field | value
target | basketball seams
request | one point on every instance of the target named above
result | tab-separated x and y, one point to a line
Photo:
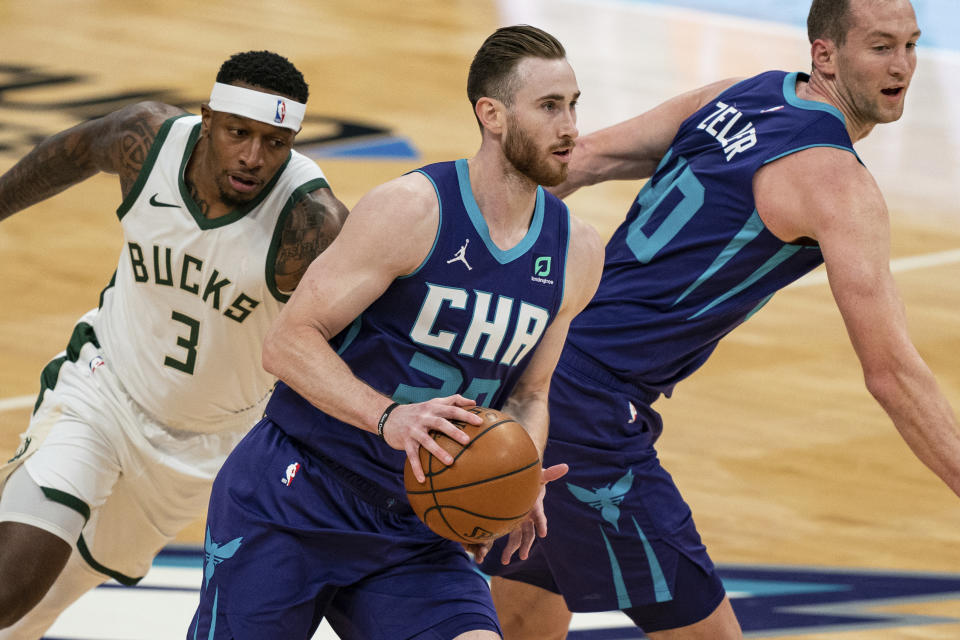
432	473
473	509
477	482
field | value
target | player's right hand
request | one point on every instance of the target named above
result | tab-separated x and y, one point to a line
409	427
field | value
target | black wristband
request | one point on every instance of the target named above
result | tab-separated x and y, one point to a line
383	419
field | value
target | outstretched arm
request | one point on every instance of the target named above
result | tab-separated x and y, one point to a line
116	143
827	195
632	149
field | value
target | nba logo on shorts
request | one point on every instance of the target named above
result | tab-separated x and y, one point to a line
281	112
96	363
292	469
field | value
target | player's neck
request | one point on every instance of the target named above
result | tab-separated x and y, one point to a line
506	198
821	89
201	184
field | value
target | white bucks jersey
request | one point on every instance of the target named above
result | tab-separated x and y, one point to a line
182	322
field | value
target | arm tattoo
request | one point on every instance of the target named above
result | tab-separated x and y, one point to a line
309	229
133	146
55	164
117	143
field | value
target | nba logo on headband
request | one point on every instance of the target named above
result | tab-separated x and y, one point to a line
257	105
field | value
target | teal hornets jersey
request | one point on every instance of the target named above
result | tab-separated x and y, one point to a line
693	260
466	321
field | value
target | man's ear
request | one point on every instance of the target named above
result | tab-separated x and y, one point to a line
823	53
492	114
206	117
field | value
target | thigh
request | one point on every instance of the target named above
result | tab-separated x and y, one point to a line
624	519
436	595
152	501
75	463
698	593
284	550
258	580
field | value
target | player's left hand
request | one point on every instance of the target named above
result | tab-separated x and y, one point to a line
530	528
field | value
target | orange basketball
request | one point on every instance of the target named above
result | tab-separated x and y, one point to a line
492	484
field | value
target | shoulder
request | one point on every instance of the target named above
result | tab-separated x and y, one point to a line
128	134
142	118
311	226
403	200
394	223
806	193
318	208
816	169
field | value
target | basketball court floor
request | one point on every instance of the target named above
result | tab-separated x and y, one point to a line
823	523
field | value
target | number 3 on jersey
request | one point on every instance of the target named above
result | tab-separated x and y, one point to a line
668	224
188	343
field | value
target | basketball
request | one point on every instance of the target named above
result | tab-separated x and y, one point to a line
490	487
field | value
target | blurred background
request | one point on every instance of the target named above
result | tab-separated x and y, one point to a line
802	489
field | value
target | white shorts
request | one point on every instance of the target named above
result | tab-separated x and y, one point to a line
90	447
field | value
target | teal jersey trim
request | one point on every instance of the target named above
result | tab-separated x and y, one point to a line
439	227
813	146
480	224
750	230
765	268
352	332
566	259
661	589
790	94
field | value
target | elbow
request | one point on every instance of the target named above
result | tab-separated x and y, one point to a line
884	385
270	353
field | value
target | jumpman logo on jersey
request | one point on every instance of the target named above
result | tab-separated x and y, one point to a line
214	554
607	498
461	255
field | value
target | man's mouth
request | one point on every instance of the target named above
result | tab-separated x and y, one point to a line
243	184
563	153
892	92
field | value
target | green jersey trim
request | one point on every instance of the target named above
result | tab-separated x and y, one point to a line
67	500
147	166
116	575
82	334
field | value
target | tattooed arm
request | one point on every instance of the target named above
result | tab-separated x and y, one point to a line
309	229
116	143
